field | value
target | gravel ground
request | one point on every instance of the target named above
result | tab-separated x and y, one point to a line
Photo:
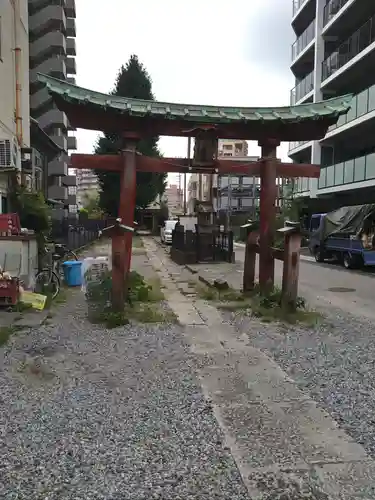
92	414
334	362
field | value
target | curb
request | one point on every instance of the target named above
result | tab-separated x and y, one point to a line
305	258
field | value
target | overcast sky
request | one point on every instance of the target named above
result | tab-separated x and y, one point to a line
215	52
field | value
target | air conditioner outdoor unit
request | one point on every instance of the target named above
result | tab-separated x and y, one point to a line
10	154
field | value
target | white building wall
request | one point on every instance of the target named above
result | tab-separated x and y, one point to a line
319	58
13	33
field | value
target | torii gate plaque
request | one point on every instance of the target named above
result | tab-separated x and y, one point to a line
135	119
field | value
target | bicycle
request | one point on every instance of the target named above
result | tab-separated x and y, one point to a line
47	280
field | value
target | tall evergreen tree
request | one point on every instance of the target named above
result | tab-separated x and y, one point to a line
132	81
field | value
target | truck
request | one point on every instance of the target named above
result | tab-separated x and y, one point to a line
346	235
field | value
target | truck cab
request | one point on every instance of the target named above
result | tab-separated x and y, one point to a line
344	235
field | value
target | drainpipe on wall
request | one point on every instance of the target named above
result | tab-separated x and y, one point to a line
17	69
17	73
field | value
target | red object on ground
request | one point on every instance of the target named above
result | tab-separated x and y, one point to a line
9	292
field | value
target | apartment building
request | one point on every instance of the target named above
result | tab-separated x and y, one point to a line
239	193
52	34
334	54
87	186
14	91
173	196
230	148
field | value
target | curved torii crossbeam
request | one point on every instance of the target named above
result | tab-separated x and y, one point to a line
135	119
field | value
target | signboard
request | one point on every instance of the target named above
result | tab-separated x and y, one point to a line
36	300
93	269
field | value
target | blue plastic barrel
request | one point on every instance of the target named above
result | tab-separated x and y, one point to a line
72	272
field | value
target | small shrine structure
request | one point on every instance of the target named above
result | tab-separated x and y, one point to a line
135	119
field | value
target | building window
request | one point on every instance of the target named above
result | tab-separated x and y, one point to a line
228	147
248	181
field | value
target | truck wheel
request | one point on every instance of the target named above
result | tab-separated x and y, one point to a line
319	257
348	261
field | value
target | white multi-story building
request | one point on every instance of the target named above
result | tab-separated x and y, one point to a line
52	32
334	54
87	186
14	90
173	196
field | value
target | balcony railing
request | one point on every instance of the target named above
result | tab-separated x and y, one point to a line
354	45
361	104
303	40
302	88
295	144
355	170
331	9
301	185
296	5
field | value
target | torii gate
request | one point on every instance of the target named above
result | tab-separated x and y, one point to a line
135	119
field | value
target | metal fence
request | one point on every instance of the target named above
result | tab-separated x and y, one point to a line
77	233
204	245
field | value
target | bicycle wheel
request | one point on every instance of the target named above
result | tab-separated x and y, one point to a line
47	282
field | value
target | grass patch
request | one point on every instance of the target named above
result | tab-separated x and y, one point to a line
267	307
22	307
213	294
5	334
270	311
143	302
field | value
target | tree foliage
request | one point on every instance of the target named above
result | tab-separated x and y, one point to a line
91	205
132	81
32	208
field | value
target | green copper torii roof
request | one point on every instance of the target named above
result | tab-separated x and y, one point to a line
331	108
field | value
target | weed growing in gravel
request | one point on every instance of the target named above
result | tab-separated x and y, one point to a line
210	293
143	302
268	308
35	367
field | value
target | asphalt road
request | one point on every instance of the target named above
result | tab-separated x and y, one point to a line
352	291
